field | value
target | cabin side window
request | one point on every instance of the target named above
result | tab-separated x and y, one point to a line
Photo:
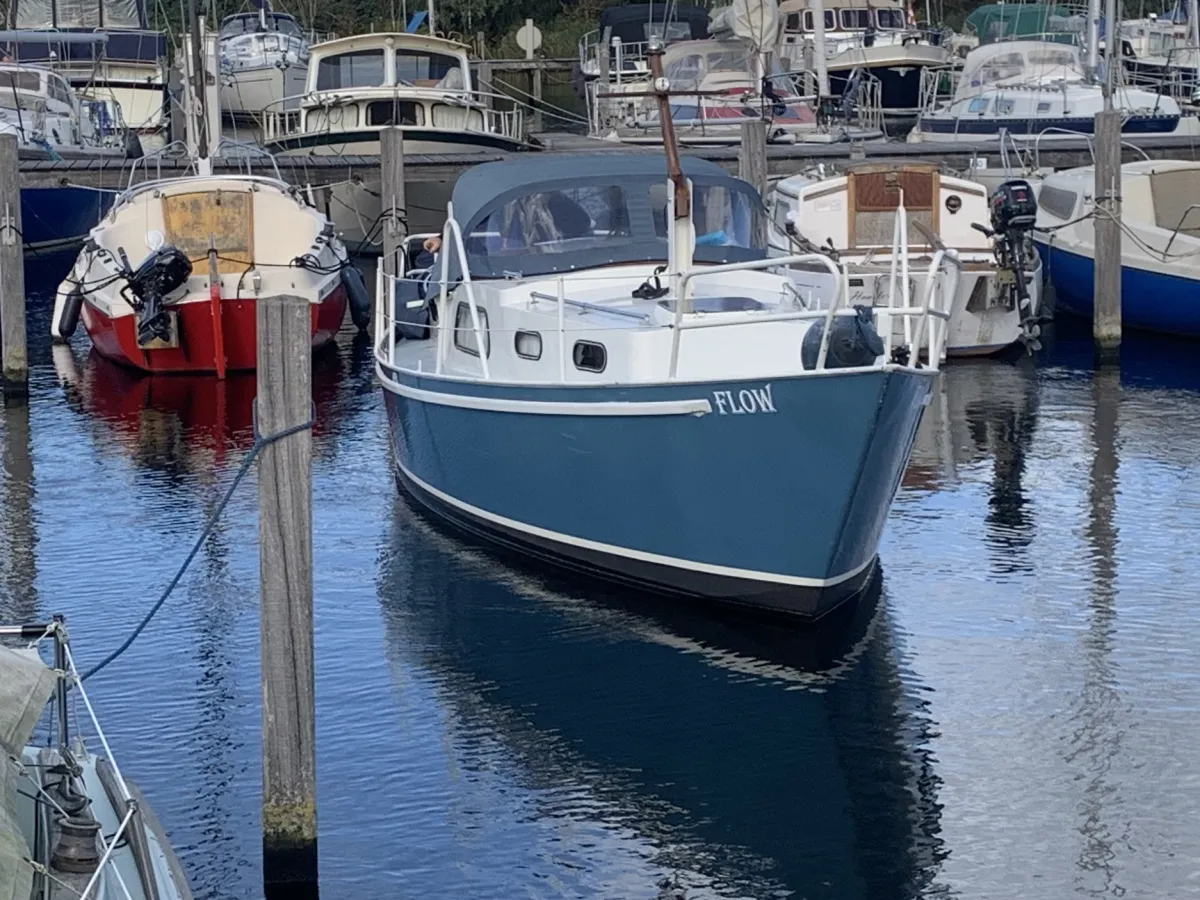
830	24
856	19
779	214
395	112
528	344
464	330
792	22
555	221
589	356
1058	202
723	217
890	19
359	68
1004	107
979	105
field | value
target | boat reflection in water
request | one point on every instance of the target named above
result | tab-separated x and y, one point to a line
179	423
744	757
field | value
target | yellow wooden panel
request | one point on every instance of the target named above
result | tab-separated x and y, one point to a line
224	218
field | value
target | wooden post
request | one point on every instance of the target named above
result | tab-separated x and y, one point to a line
14	368
391	161
537	100
289	807
485	84
752	168
1106	304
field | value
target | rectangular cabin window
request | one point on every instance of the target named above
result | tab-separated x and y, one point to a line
890	19
458	118
792	23
331	118
528	344
830	24
59	90
395	112
464	330
1004	107
979	105
856	19
359	68
420	68
667	32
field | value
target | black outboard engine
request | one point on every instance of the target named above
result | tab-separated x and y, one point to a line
853	341
1013	213
164	270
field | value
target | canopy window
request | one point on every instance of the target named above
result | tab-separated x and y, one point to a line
38	14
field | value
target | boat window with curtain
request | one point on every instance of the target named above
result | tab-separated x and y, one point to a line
122	14
421	68
358	68
830	21
856	19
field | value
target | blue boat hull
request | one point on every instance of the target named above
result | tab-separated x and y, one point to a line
54	218
1150	301
775	500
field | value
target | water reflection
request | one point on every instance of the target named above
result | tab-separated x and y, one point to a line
985	410
182	424
18	537
1096	740
748	758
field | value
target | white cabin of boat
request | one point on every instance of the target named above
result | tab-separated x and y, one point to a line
363	83
856	211
847	22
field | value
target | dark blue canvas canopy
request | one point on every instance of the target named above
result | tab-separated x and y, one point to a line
538	215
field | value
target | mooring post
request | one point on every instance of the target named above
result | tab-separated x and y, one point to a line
537	98
752	168
391	160
289	806
1106	303
14	360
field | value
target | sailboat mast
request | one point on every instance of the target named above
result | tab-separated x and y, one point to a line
1093	40
198	80
683	200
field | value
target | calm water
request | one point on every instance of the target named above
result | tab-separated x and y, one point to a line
1013	714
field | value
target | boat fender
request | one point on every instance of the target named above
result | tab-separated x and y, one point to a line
853	341
67	307
360	300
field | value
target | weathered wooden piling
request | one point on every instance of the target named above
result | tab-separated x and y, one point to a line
1106	305
391	161
752	167
289	806
14	361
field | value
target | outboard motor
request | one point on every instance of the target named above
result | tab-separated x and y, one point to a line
853	341
164	270
1013	214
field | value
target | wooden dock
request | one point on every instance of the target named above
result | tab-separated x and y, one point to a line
782	160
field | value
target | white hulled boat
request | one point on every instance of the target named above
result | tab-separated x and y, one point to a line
358	85
1030	89
853	216
264	60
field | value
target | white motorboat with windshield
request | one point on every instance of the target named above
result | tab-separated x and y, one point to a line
264	61
1031	89
359	85
887	220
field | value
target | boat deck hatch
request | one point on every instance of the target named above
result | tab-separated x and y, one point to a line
875	195
224	219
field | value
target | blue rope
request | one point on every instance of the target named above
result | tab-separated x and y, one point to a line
259	443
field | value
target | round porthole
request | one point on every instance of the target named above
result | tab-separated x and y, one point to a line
953	203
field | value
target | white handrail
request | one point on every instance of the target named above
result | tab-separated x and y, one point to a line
769	263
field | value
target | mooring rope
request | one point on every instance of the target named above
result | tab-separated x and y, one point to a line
259	443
